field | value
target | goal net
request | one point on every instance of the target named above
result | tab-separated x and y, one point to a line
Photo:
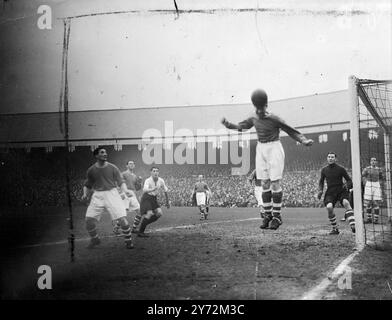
371	140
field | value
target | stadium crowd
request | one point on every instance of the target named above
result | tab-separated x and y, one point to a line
39	179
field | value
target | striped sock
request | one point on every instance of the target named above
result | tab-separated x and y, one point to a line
277	203
333	222
267	203
126	231
376	214
136	221
369	213
350	217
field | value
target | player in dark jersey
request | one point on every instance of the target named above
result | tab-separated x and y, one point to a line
202	193
336	191
133	183
373	180
103	179
269	155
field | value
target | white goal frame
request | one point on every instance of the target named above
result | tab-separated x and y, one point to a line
356	93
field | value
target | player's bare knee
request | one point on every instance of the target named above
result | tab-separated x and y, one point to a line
149	214
266	184
275	185
158	213
123	222
346	204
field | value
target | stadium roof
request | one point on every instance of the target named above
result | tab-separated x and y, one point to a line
315	113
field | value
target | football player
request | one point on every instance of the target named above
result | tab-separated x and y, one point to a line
202	194
102	181
149	207
269	155
336	191
373	179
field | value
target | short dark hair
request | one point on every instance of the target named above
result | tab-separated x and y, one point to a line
331	152
130	161
96	150
152	168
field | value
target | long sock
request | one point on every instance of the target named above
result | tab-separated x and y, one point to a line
145	222
154	218
258	195
376	213
136	221
369	213
277	203
350	217
267	203
333	222
92	231
126	231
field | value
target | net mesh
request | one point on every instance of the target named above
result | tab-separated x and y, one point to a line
375	123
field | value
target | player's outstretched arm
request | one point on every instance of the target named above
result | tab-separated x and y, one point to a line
244	125
293	133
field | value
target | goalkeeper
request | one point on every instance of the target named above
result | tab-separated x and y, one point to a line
134	183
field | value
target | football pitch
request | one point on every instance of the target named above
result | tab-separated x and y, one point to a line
225	257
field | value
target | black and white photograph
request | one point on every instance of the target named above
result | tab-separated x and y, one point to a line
209	153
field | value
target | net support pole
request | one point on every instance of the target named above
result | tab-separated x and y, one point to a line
387	187
356	163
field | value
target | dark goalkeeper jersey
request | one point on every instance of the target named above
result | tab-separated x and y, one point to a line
268	128
334	175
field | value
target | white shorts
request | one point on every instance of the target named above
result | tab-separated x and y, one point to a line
372	191
106	201
200	198
131	203
269	160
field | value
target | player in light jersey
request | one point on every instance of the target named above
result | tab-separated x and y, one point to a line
373	179
149	207
202	193
258	189
269	155
102	181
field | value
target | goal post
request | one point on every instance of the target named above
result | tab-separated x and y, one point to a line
371	130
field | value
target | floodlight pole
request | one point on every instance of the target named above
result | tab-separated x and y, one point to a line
356	163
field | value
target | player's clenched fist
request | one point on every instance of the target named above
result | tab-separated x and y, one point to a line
307	142
224	122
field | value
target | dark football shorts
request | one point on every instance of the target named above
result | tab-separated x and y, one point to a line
148	202
335	194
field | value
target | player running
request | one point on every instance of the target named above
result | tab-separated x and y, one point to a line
336	191
133	183
149	207
269	155
373	179
202	194
102	181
